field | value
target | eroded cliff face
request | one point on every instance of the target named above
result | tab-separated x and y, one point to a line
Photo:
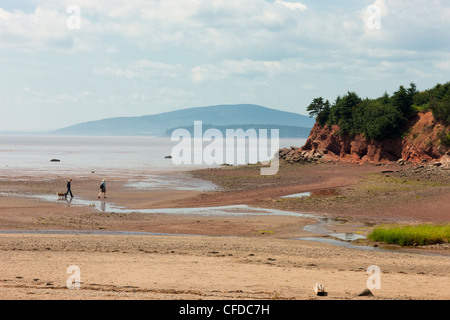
420	144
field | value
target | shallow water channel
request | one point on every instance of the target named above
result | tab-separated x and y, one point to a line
321	227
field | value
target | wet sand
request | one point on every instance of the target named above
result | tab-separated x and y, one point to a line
247	256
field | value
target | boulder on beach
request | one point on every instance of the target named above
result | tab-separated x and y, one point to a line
365	293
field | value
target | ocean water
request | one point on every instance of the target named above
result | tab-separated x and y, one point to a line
32	155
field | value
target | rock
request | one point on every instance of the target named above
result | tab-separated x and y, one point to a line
55	160
401	162
319	289
445	160
168	157
436	164
365	293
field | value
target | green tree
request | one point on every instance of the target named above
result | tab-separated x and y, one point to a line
320	109
383	121
384	117
385	99
316	107
403	99
441	109
421	98
341	112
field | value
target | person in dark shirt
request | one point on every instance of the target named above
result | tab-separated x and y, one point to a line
103	189
69	185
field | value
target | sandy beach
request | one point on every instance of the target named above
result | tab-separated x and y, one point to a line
246	255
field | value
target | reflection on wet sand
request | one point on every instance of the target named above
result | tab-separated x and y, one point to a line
315	193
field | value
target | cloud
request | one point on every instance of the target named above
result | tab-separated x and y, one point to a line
292	5
148	24
211	51
257	30
38	29
252	69
142	69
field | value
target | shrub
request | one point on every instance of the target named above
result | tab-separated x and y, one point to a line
444	136
441	109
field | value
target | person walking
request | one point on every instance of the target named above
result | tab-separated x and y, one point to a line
69	186
103	189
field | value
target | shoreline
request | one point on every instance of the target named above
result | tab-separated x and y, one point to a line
232	234
173	209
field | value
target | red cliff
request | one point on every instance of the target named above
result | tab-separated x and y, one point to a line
421	143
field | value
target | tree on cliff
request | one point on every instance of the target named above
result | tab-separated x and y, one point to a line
403	100
377	120
320	109
385	117
439	102
341	113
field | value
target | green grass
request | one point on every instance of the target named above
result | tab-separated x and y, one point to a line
266	232
381	183
424	234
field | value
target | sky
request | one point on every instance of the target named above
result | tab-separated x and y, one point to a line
64	62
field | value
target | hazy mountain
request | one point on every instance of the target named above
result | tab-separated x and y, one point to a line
158	124
283	131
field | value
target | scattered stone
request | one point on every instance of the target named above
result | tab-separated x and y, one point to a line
297	155
365	293
437	164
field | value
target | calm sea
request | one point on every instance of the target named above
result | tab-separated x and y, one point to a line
32	155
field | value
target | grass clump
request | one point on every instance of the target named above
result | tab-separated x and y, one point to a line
424	234
266	232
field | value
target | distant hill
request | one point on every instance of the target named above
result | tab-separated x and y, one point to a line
220	115
283	131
